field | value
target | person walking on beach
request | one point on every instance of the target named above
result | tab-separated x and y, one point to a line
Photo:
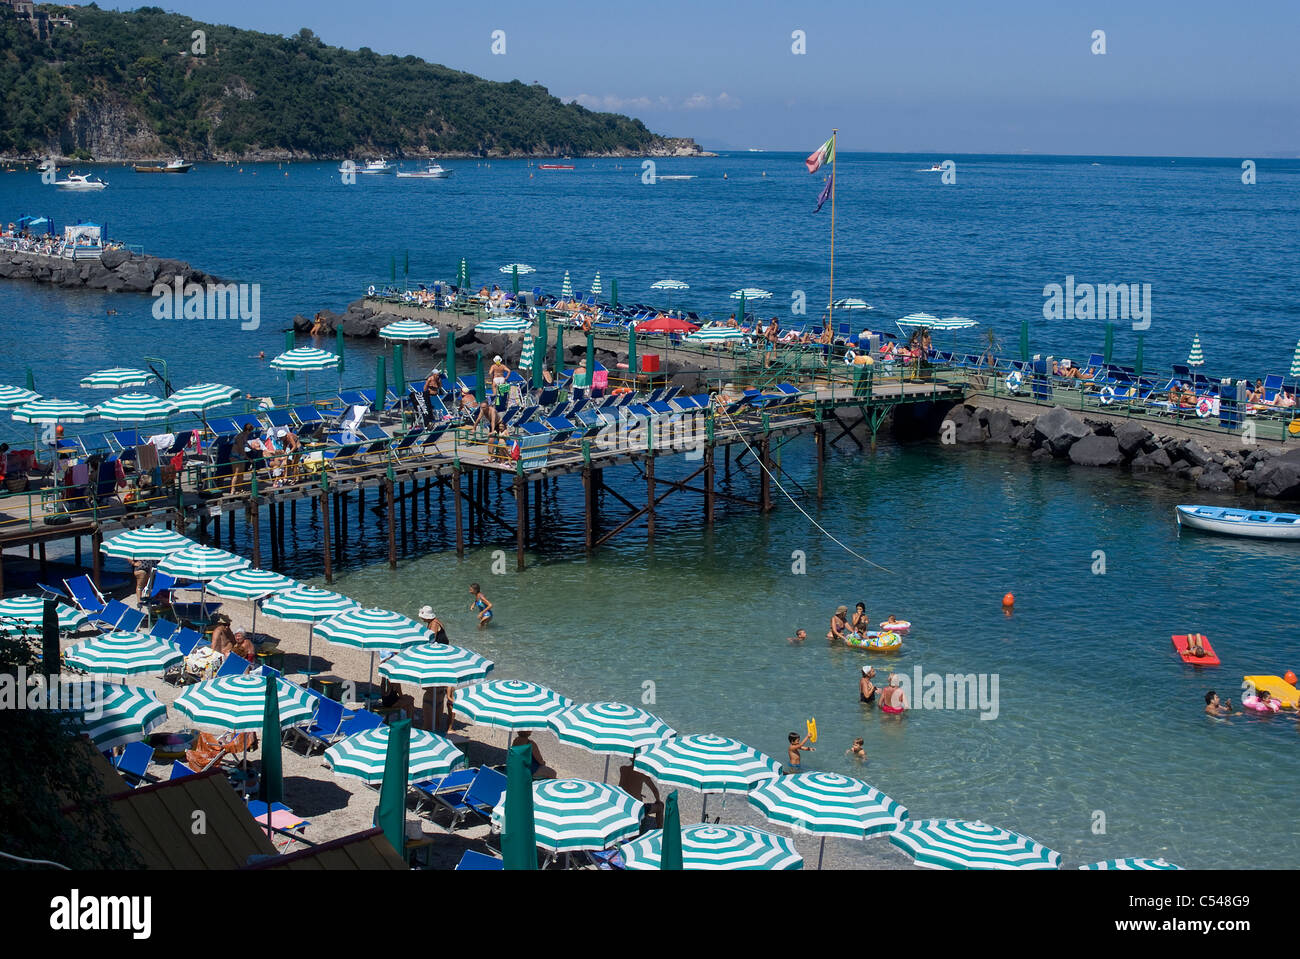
794	761
141	568
634	782
839	623
482	604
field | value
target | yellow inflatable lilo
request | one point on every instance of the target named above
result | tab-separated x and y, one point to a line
881	642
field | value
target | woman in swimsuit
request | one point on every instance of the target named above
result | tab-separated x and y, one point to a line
866	688
482	604
860	620
839	623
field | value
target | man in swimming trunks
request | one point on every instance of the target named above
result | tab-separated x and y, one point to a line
866	688
797	746
634	782
839	623
1214	707
892	699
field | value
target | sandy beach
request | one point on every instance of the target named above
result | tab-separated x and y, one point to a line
337	806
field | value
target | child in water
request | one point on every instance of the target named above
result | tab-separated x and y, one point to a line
857	750
480	603
799	636
797	746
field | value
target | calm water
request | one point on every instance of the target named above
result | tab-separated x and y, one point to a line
1095	712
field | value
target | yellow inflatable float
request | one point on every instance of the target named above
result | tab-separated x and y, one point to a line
1278	688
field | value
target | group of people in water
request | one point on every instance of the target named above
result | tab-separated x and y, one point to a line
845	628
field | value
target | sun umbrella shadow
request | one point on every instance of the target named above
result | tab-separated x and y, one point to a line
314	797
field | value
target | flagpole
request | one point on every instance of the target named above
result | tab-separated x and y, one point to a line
830	321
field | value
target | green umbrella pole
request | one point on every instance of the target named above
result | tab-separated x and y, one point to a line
399	369
559	352
381	383
631	353
539	351
480	391
515	281
338	348
591	360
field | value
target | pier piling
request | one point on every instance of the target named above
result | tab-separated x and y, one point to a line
325	534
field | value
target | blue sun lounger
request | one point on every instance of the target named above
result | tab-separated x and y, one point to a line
85	595
479	799
476	861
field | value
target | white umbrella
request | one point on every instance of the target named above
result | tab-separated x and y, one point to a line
708	764
117	378
146	543
202	397
716	847
408	330
307	604
135	408
364	756
11	396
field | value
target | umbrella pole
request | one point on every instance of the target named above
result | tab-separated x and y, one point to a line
821	851
705	817
605	778
311	626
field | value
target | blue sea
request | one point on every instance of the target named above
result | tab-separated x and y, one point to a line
1100	747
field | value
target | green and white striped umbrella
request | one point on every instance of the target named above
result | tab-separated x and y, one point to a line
25	614
751	293
462	273
852	303
504	324
306	358
521	267
1196	357
827	804
928	320
117	378
566	288
363	756
958	844
510	704
669	285
135	407
526	354
120	653
716	334
1132	865
307	604
708	764
55	411
111	714
408	330
436	664
146	543
716	847
609	728
574	814
372	629
251	584
595	286
201	563
237	703
203	396
1295	361
11	396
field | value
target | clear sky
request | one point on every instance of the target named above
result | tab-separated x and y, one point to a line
1179	77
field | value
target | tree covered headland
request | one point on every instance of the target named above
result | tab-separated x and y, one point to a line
129	85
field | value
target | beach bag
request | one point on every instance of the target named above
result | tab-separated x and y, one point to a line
514	450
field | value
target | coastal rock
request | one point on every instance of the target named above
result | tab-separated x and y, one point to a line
1132	438
971	431
1157	460
1042	453
1279	478
1215	481
958	416
1096	451
1195	454
1000	427
1058	429
112	259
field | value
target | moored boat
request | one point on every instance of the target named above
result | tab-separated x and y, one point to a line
434	172
172	166
79	181
1259	524
369	168
555	166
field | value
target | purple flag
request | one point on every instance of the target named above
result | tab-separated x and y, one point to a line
827	190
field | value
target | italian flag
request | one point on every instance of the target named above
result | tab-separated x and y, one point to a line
823	155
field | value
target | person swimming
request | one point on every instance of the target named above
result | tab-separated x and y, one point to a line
480	603
858	750
797	746
799	636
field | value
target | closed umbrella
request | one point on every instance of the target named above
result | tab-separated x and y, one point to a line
596	289
574	814
526	354
609	728
270	786
708	764
146	543
716	847
117	378
518	831
307	604
121	653
957	844
510	704
670	844
827	804
391	814
363	756
631	353
1196	357
1295	362
566	288
435	664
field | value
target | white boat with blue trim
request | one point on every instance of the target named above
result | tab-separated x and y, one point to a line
1259	524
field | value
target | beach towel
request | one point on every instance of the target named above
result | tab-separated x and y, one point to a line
600	379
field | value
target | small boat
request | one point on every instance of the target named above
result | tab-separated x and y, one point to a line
1258	524
434	172
560	166
172	166
934	168
369	168
83	182
675	176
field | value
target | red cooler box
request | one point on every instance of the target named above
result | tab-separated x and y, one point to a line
650	363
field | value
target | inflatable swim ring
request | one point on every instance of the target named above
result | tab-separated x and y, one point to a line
884	642
1014	379
898	626
1257	705
370	290
1204	407
1107	395
849	358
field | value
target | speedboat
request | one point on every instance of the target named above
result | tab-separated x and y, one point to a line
434	172
172	166
77	181
555	166
1258	524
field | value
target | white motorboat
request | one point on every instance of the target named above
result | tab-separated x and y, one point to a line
434	172
1259	524
369	168
77	181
